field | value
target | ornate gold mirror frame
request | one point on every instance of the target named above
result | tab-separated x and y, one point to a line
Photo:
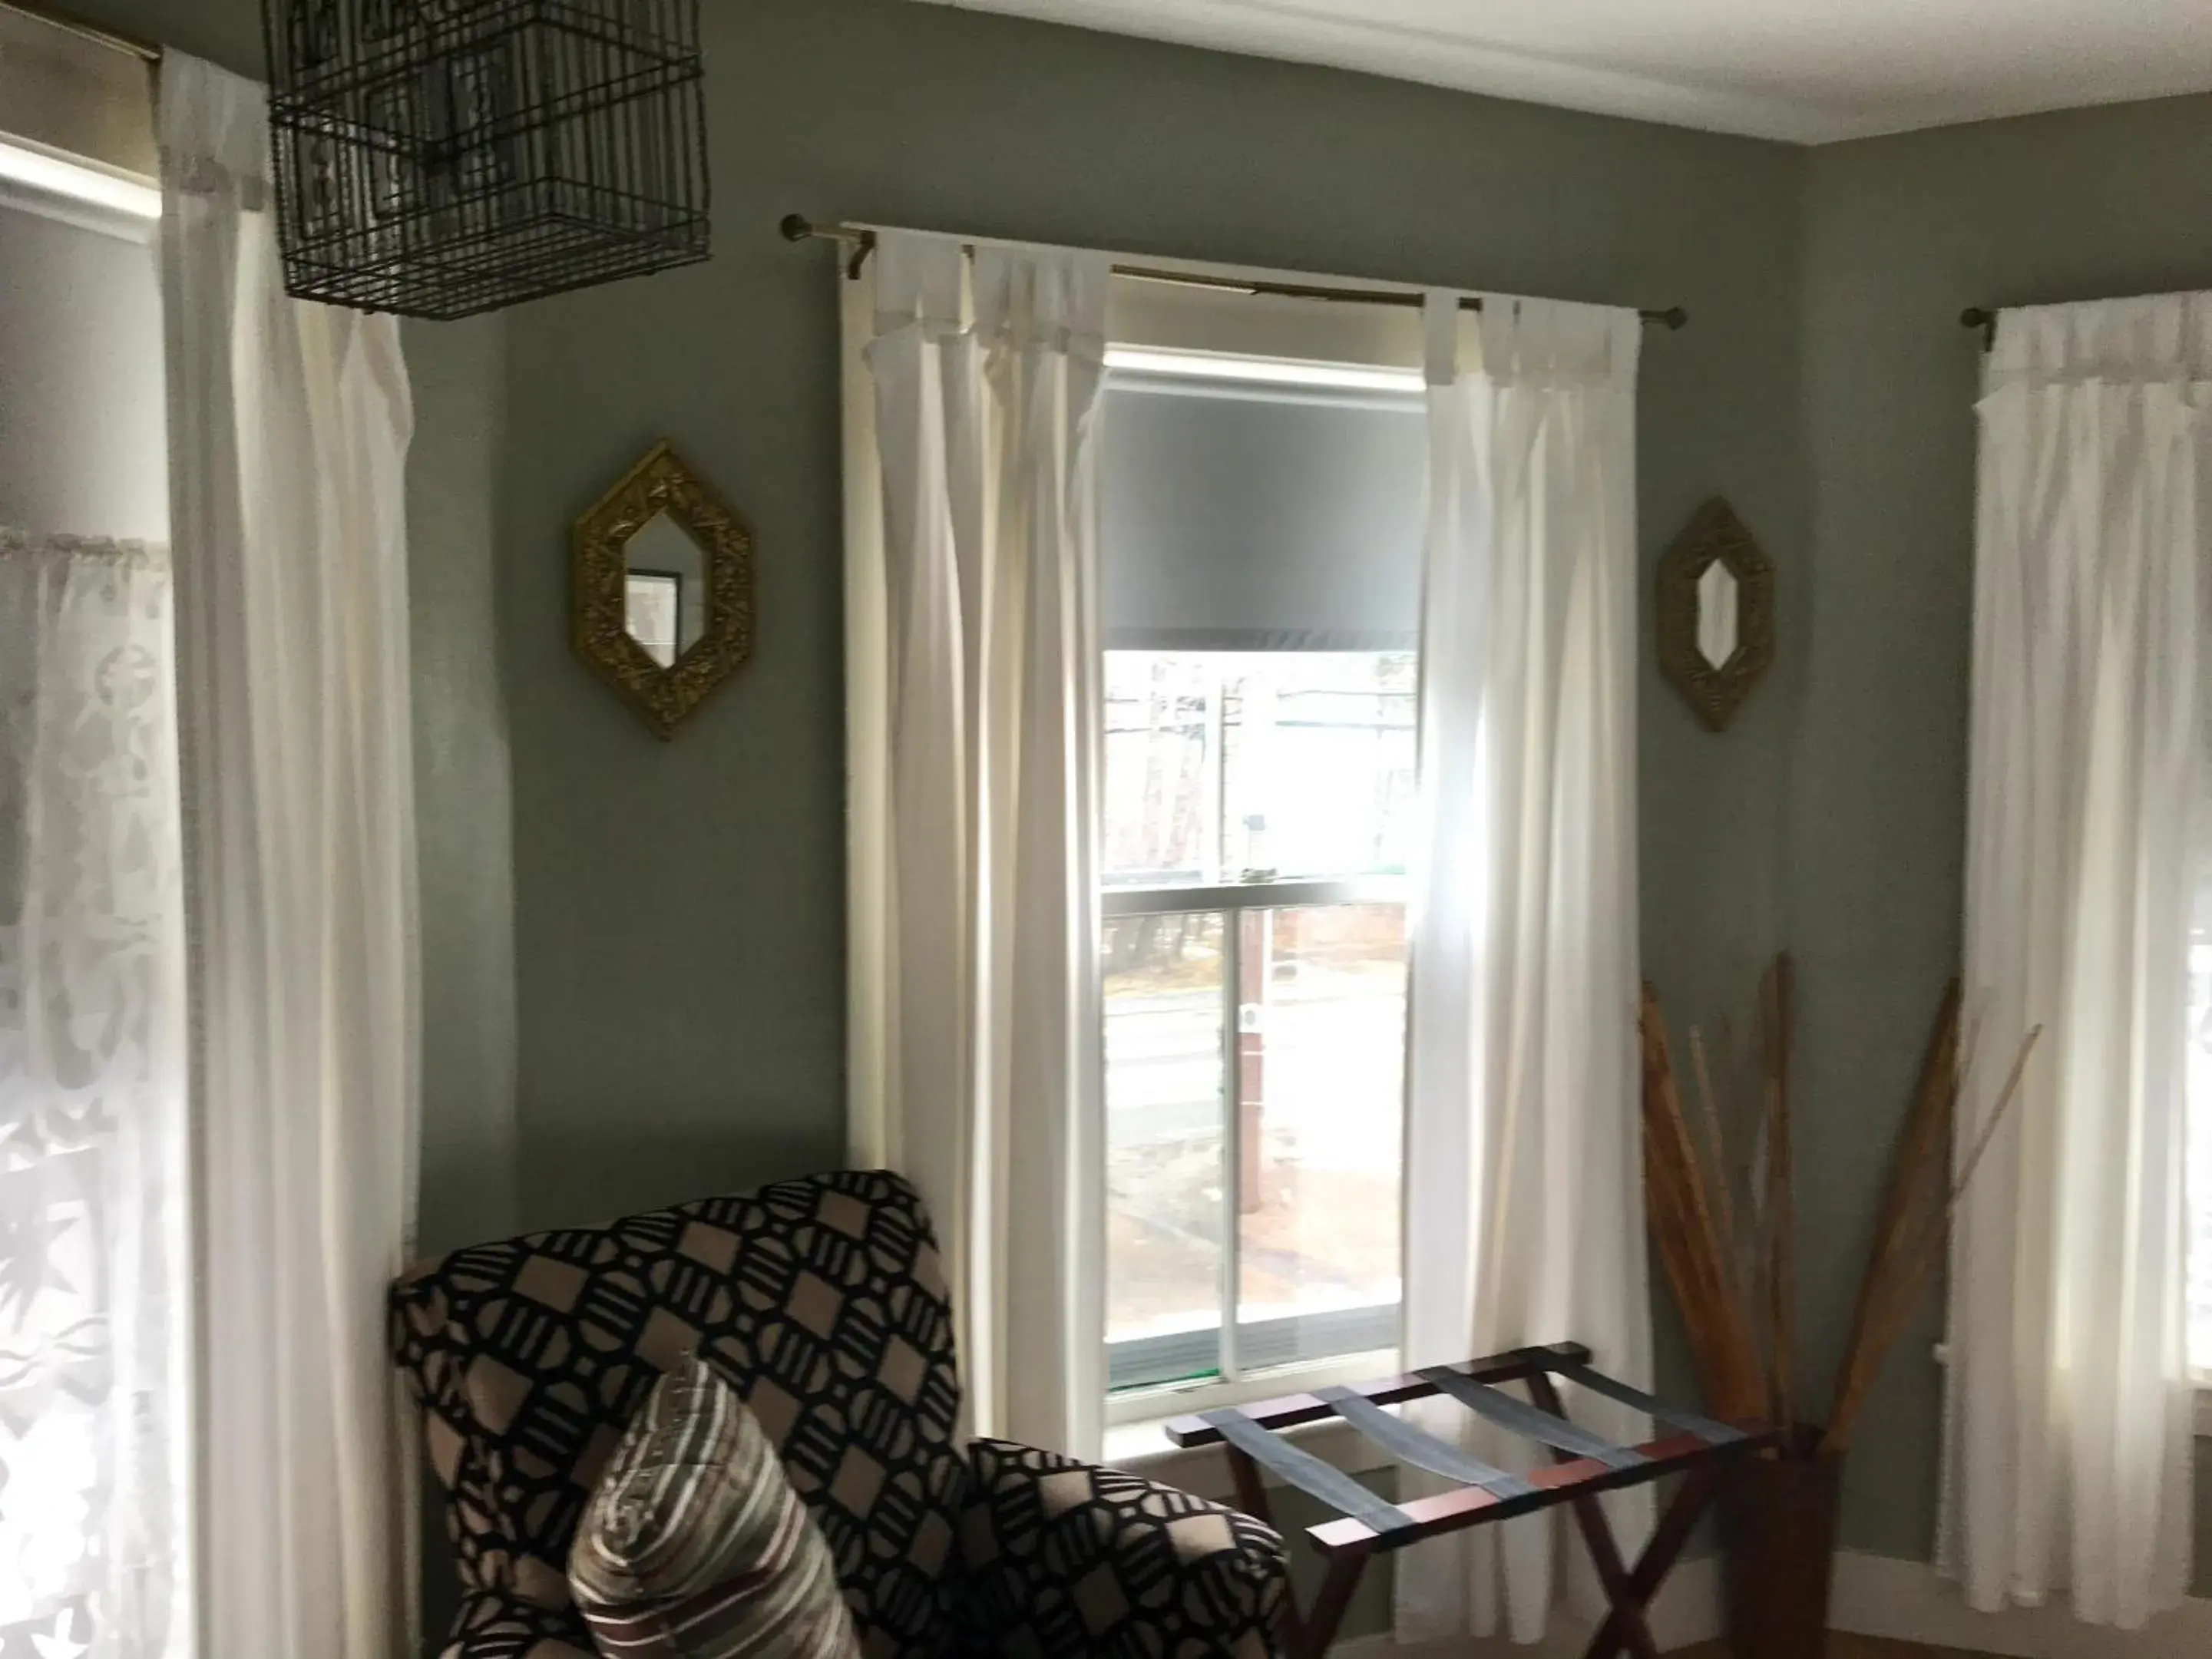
664	693
1716	689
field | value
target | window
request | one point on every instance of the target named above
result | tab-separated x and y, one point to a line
1261	687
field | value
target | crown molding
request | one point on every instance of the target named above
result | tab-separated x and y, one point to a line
1436	58
1283	30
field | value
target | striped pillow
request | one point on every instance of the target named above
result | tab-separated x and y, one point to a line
696	1546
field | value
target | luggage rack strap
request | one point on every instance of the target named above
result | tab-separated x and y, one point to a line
1410	1443
1302	1469
1529	1422
1712	1433
1294	1409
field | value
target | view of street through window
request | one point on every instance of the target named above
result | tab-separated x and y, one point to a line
1279	1030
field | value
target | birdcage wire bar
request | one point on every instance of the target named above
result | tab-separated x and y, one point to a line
438	158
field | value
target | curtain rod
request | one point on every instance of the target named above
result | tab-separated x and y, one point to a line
797	227
70	23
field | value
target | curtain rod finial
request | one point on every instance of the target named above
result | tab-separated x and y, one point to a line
1983	318
795	227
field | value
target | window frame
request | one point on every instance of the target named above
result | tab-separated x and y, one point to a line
1156	1403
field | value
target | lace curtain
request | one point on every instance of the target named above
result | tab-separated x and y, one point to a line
93	1289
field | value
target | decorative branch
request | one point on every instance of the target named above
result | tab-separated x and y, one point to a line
1735	1276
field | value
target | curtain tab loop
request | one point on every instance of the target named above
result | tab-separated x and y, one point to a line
920	279
1440	329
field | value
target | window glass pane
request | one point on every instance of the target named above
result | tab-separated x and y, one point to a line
1162	769
1237	766
1165	1004
1320	1064
1319	780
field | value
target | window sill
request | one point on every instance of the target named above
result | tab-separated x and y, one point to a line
1144	1448
1168	1402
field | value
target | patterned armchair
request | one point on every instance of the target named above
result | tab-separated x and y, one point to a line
823	1300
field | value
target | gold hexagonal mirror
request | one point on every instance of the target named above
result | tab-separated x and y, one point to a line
1716	614
663	600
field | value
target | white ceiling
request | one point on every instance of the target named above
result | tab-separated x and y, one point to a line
1809	70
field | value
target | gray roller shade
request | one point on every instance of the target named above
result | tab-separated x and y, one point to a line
1242	517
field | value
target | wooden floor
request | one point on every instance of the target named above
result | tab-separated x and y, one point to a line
1841	1646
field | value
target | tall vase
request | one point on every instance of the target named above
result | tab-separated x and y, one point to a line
1781	1550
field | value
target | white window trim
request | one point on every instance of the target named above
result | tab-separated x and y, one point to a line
37	178
41	167
1240	895
1298	374
1161	1405
1203	1471
1136	1437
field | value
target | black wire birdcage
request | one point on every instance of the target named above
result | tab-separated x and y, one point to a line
437	158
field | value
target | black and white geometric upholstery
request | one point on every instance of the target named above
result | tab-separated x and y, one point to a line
491	1626
822	1301
1064	1558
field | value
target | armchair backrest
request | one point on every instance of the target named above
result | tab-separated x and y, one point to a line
822	1298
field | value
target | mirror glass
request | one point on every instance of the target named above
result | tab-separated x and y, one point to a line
666	596
1718	631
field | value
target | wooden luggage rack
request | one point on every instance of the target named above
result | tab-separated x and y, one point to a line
1583	1464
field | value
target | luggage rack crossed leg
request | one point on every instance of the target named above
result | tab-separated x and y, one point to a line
1582	1465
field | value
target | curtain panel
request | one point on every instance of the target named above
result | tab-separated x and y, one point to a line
1524	1176
289	429
973	665
94	1293
2067	1442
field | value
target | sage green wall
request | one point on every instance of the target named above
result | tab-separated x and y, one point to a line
680	906
661	958
463	783
464	828
1900	234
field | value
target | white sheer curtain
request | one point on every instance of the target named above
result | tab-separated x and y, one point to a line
973	661
2067	1444
289	425
94	1303
1524	1194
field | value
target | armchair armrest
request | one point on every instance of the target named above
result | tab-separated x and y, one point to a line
1063	1558
489	1625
